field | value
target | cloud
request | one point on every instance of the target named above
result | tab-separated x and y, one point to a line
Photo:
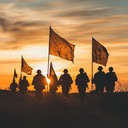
83	13
23	29
3	23
29	24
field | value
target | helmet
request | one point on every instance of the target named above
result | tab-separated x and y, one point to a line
24	77
110	69
100	68
81	70
38	71
65	70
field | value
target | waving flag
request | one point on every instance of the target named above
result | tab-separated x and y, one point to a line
60	47
25	67
99	53
53	78
52	72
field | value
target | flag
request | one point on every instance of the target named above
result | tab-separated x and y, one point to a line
25	67
52	72
60	47
53	78
15	74
99	53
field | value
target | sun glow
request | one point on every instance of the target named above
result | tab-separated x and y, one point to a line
48	80
42	51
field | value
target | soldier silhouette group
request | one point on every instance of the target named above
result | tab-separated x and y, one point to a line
103	81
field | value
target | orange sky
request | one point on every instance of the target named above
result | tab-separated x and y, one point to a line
24	30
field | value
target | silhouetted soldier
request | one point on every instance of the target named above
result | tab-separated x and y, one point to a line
99	80
53	85
13	86
39	82
65	81
111	78
81	82
23	85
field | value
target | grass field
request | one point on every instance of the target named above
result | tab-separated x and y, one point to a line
98	111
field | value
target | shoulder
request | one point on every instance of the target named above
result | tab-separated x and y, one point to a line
85	73
36	75
62	75
114	73
96	73
68	74
107	73
103	72
42	75
78	75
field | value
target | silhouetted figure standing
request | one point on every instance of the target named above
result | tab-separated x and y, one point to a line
65	81
39	82
53	85
23	85
111	78
99	80
82	83
13	86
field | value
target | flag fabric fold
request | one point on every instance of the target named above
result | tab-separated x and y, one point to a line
52	72
60	47
99	53
25	67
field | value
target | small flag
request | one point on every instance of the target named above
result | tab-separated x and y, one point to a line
25	67
60	47
52	72
15	74
53	77
99	53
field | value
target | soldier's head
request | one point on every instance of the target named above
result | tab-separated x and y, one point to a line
38	71
110	69
65	70
81	70
100	68
24	77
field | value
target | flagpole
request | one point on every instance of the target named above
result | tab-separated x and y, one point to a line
48	57
48	54
20	71
92	70
13	75
21	66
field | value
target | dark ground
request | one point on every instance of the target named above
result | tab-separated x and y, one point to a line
98	111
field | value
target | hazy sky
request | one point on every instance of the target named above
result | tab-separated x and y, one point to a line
24	30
